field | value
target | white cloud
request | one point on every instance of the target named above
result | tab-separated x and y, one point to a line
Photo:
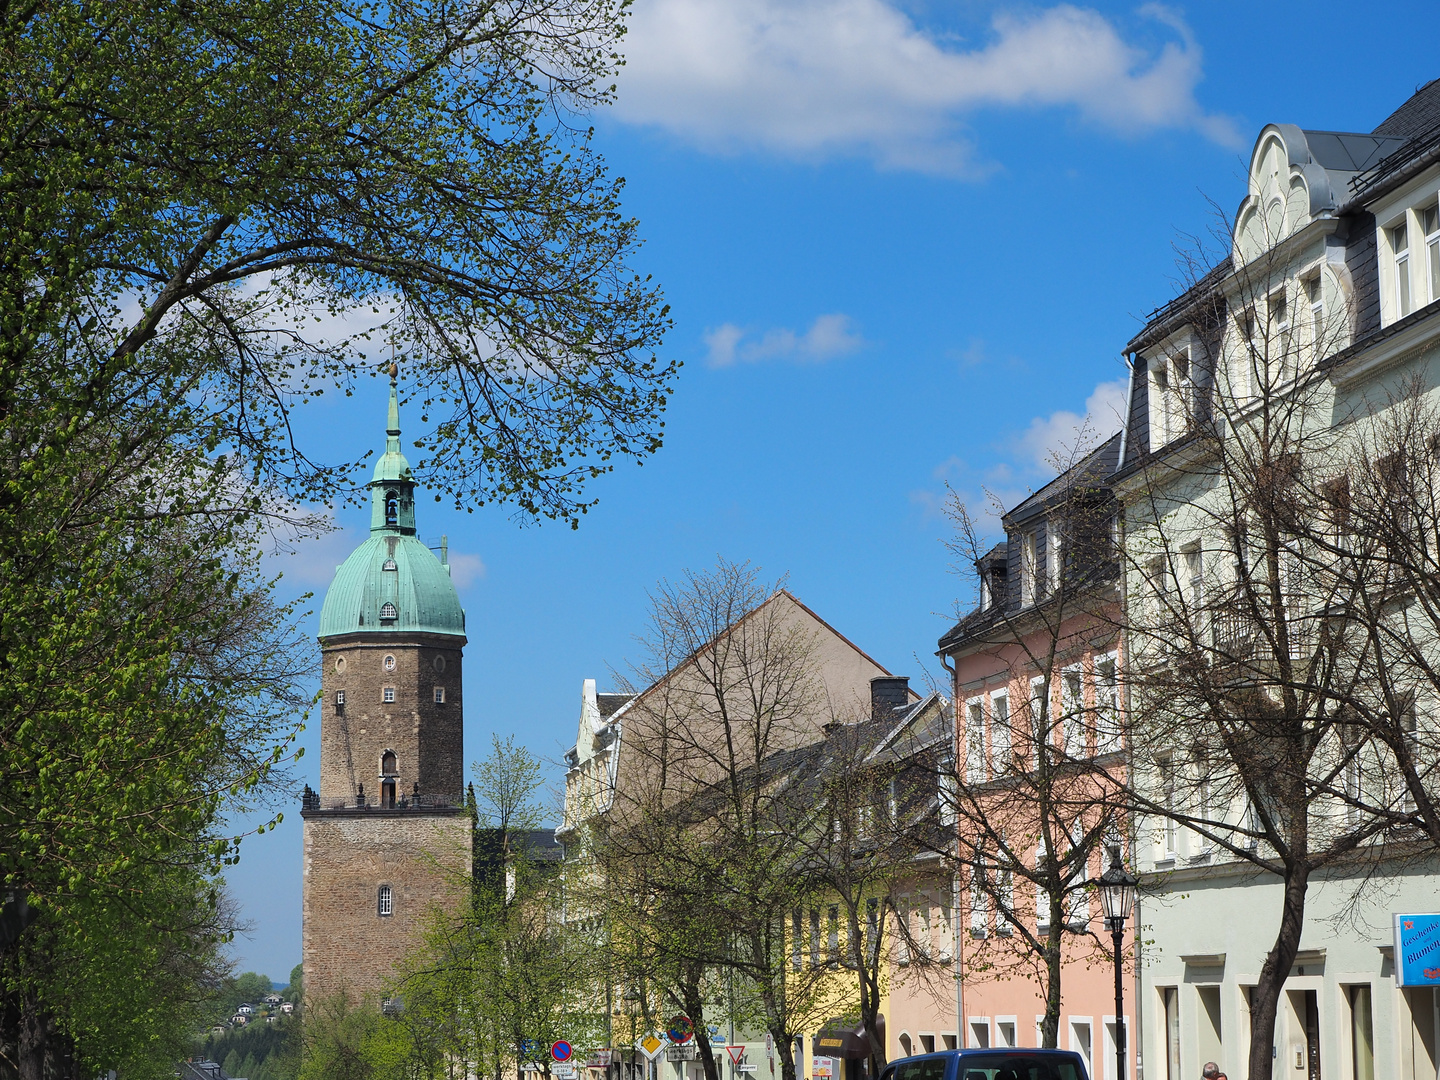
811	77
829	336
1052	442
465	569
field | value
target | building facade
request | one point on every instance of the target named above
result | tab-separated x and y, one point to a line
1040	758
1308	350
387	837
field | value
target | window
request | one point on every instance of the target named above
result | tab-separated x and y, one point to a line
1054	553
339	699
1077	907
388	612
872	927
1362	1032
1195	579
387	695
386	903
1005	897
1107	709
975	741
1028	567
946	930
1039	710
1179	401
832	940
979	902
1160	408
1000	731
1166	768
1315	299
814	937
1400	248
902	936
1279	306
1073	703
922	931
1042	894
797	937
389	663
1430	226
439	695
388	764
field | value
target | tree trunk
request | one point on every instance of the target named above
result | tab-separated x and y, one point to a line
33	1041
1050	1026
785	1047
1265	998
695	1009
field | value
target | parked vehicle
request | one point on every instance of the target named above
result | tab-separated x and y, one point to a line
1017	1063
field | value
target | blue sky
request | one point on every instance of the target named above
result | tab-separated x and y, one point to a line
904	244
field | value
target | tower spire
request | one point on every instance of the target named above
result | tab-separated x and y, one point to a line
392	486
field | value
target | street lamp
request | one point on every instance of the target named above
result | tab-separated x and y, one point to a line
1117	899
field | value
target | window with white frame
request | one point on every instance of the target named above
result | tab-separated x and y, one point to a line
387	695
975	741
903	931
1054	553
1039	710
1399	238
946	930
1072	702
1170	833
1077	906
1160	404
385	903
1430	226
1283	360
1204	797
832	937
1107	704
979	900
1042	894
1182	398
797	939
1028	567
1000	747
1315	301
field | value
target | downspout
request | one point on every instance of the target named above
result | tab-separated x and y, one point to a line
1129	401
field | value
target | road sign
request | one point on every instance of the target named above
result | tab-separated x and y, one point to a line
770	1046
650	1046
531	1066
530	1049
1417	950
745	1068
562	1050
681	1029
736	1053
563	1072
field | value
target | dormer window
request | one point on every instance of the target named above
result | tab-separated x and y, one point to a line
388	614
389	564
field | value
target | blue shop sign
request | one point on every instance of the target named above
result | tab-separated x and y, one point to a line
1417	950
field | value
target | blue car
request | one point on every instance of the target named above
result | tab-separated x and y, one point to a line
1008	1064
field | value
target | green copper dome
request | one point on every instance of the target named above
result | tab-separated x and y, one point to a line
392	582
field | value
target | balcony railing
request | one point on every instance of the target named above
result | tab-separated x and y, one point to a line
414	800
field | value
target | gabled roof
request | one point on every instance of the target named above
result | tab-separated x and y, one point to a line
1095	467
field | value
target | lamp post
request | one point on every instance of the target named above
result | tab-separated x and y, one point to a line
1117	899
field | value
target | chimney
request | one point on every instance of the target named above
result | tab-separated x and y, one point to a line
888	694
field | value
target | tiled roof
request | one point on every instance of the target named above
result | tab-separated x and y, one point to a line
1417	116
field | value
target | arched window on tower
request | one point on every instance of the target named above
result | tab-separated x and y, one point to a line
389	772
392	507
388	612
386	903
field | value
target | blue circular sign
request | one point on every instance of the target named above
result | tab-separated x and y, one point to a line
562	1051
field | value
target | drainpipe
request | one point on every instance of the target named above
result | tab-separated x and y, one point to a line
955	919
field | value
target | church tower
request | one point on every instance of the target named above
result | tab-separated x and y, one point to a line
387	836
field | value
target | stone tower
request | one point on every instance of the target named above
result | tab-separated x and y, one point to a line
387	836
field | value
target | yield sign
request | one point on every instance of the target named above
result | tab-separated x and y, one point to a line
736	1053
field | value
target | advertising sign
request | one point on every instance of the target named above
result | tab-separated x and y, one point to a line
598	1059
1417	950
650	1046
820	1068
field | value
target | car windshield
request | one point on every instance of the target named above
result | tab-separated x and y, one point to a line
1013	1066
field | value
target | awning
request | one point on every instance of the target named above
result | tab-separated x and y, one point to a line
847	1039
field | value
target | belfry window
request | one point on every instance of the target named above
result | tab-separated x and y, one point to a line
392	507
386	903
388	613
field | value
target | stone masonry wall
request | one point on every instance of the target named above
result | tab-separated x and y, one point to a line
424	734
347	944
